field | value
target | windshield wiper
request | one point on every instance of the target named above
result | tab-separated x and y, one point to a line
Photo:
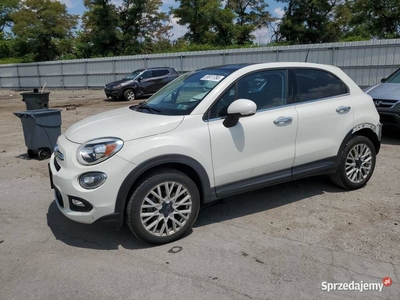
143	105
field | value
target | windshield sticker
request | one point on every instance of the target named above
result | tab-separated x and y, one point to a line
215	78
183	106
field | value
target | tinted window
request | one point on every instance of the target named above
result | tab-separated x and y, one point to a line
394	78
147	74
266	88
159	73
316	84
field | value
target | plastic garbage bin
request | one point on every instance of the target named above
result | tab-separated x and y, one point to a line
34	100
41	129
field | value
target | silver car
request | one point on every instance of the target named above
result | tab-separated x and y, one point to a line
386	97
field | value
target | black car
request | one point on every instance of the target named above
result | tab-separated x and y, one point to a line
386	97
141	82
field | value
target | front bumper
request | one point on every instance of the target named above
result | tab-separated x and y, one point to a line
390	119
99	202
390	116
113	92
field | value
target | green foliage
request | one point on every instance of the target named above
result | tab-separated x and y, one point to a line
198	16
40	26
309	21
250	15
378	19
99	31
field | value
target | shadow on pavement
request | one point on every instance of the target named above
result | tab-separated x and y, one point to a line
101	236
106	236
265	199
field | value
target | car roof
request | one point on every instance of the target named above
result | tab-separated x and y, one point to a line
227	67
289	64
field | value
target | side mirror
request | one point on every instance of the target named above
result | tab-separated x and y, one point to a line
239	109
383	79
140	79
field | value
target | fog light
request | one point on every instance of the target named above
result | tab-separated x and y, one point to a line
92	180
77	203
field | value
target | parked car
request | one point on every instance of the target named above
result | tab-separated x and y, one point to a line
386	97
210	134
142	82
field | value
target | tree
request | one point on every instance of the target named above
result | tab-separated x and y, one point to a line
40	26
142	21
99	36
309	21
250	15
224	27
378	19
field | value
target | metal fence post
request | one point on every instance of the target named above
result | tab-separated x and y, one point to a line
19	82
86	75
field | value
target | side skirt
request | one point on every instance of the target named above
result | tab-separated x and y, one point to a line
321	167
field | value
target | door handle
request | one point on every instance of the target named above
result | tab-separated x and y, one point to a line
283	121
343	109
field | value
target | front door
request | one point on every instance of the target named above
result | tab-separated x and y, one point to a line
260	147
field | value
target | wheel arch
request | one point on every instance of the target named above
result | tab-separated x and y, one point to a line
187	165
368	131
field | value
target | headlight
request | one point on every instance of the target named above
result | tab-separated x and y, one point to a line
98	150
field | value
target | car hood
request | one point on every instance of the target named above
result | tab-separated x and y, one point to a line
115	83
122	123
389	91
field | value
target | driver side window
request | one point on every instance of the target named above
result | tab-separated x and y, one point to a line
267	89
146	75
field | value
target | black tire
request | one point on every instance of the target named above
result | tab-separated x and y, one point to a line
170	221
356	164
129	95
44	153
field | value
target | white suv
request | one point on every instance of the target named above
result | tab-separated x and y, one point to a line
213	133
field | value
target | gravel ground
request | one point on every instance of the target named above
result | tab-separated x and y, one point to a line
280	242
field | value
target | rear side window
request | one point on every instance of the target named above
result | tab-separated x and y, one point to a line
159	73
318	84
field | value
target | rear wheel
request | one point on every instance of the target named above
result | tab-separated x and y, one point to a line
356	165
163	207
44	153
129	95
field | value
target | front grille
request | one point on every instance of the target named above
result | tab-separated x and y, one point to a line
59	198
56	165
385	103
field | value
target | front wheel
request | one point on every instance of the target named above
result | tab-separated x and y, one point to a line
129	95
356	164
163	207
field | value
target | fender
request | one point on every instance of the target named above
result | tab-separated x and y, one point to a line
375	129
206	192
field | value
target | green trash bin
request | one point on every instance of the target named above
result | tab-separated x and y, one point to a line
41	129
35	100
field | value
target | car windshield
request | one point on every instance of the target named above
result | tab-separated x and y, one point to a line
394	78
133	75
183	94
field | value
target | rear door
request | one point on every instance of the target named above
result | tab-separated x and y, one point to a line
325	110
